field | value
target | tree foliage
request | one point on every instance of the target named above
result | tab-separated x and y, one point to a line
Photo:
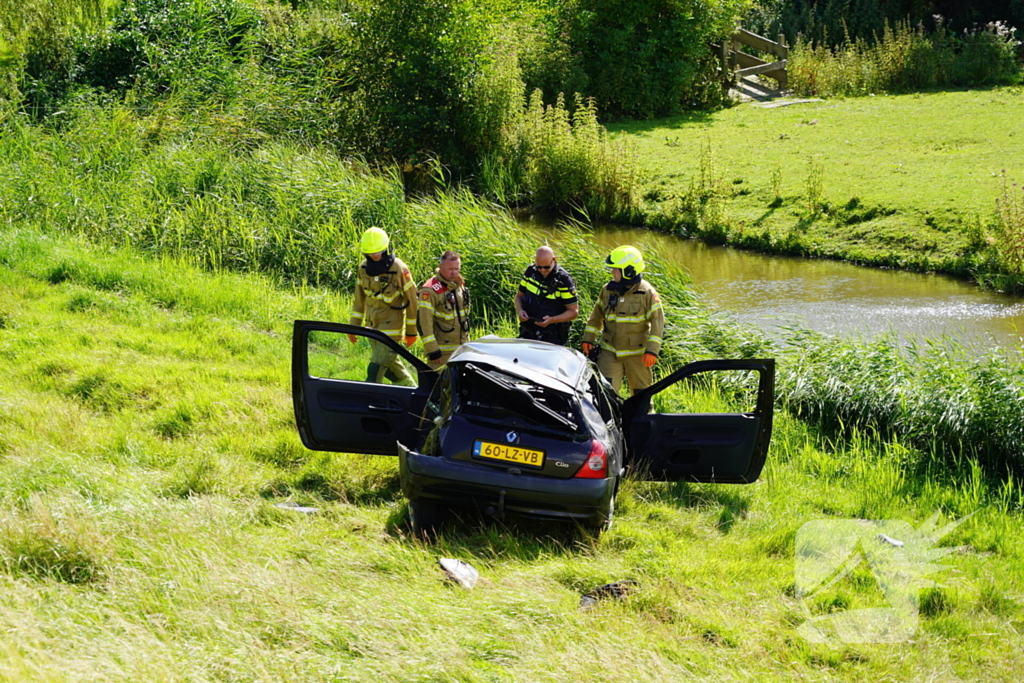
646	58
832	22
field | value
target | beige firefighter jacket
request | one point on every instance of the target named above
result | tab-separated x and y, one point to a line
386	302
443	315
633	326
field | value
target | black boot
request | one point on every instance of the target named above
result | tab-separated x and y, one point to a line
373	373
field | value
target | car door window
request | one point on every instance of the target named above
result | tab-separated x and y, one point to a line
710	421
337	408
603	399
724	392
331	355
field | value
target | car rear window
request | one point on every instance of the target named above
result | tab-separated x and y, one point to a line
490	393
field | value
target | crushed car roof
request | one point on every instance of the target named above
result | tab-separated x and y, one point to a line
546	364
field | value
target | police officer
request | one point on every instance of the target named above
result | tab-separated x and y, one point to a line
385	300
546	300
631	319
443	317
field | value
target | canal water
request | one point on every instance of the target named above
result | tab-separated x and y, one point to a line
836	297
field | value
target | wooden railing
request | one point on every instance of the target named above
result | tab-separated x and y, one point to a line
736	64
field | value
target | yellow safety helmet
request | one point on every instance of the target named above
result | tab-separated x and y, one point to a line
374	240
628	259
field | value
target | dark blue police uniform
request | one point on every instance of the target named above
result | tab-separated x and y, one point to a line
546	296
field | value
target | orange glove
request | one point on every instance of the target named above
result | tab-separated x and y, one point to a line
352	338
587	348
649	360
410	339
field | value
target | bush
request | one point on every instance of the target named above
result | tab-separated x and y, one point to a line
415	61
37	42
988	55
191	47
649	58
905	58
571	163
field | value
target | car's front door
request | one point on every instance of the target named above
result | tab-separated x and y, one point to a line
715	426
338	406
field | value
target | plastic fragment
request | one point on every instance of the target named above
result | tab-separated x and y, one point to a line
890	540
460	572
295	507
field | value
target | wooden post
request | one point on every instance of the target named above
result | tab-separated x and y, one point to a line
723	56
783	76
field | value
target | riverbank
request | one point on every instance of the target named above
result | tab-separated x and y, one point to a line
148	440
904	181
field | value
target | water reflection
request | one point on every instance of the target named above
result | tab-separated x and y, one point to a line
836	297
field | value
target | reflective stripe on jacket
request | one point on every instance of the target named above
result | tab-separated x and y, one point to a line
546	295
379	298
633	326
443	315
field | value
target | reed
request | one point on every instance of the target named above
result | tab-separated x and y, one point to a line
938	396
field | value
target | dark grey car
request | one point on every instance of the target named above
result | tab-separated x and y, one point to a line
523	427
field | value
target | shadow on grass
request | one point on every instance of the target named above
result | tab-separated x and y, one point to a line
469	532
772	208
732	499
383	488
685	120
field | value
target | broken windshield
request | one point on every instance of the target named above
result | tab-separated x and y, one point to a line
493	394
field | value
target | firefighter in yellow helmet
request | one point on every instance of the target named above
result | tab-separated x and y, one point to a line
385	300
443	316
630	318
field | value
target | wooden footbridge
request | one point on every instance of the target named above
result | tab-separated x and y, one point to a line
738	66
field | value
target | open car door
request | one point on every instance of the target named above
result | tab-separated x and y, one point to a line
336	407
727	442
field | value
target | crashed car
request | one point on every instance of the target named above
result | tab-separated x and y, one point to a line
511	426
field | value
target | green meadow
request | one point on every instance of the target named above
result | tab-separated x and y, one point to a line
908	181
148	436
180	181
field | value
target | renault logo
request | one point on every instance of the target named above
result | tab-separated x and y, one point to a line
511	437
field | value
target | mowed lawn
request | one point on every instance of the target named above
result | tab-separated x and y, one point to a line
146	437
920	166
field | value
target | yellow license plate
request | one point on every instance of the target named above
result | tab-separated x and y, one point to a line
508	453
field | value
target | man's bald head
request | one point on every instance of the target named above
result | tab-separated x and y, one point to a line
545	260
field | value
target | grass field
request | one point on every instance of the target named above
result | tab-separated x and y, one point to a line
146	434
907	181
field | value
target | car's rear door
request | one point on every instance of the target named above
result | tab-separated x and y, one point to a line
716	425
336	408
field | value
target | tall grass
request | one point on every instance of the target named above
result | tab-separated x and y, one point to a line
295	214
292	212
1010	227
572	163
937	396
556	157
906	58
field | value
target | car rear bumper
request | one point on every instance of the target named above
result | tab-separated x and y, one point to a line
496	492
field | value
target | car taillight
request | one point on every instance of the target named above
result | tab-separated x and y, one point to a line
596	466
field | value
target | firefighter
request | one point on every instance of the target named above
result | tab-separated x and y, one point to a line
385	300
443	318
546	300
631	319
